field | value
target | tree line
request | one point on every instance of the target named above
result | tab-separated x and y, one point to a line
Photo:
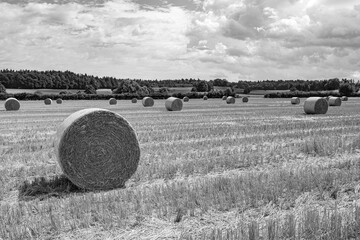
32	79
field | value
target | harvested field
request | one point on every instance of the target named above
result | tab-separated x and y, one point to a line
212	171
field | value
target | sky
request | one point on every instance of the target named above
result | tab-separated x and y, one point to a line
173	39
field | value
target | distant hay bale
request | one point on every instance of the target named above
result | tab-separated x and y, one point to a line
205	98
224	98
186	99
334	101
48	101
59	101
173	104
295	100
315	105
97	149
134	100
245	99
237	96
230	100
344	98
112	101
148	102
12	104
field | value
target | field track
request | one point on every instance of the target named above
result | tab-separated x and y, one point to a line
213	170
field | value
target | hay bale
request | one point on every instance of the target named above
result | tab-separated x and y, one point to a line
334	101
48	101
97	149
224	98
315	105
205	98
344	98
59	101
230	100
134	100
173	104
295	100
148	102
112	101
186	99
245	99
12	104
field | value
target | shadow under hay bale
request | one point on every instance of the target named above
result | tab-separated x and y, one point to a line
42	188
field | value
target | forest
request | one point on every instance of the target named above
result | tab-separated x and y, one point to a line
32	79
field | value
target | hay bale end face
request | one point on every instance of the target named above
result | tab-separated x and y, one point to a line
148	102
12	104
205	98
186	99
112	101
230	100
134	100
245	99
224	98
59	101
315	105
173	104
334	101
295	100
97	149
48	101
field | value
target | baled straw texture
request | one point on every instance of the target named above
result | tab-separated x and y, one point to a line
173	104
112	101
315	105
134	100
245	99
148	102
344	98
97	149
224	98
295	100
334	101
12	104
48	101
186	99
230	100
59	101
205	98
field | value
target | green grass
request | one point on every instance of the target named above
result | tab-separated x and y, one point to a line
211	171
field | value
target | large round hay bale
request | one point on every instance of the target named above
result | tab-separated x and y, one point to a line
230	100
224	98
186	99
48	101
112	101
334	101
245	99
315	105
97	149
134	100
59	101
12	104
148	102
295	100
173	104
205	98
344	98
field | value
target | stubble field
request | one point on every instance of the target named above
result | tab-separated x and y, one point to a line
256	170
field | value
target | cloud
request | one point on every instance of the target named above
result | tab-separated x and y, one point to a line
240	39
